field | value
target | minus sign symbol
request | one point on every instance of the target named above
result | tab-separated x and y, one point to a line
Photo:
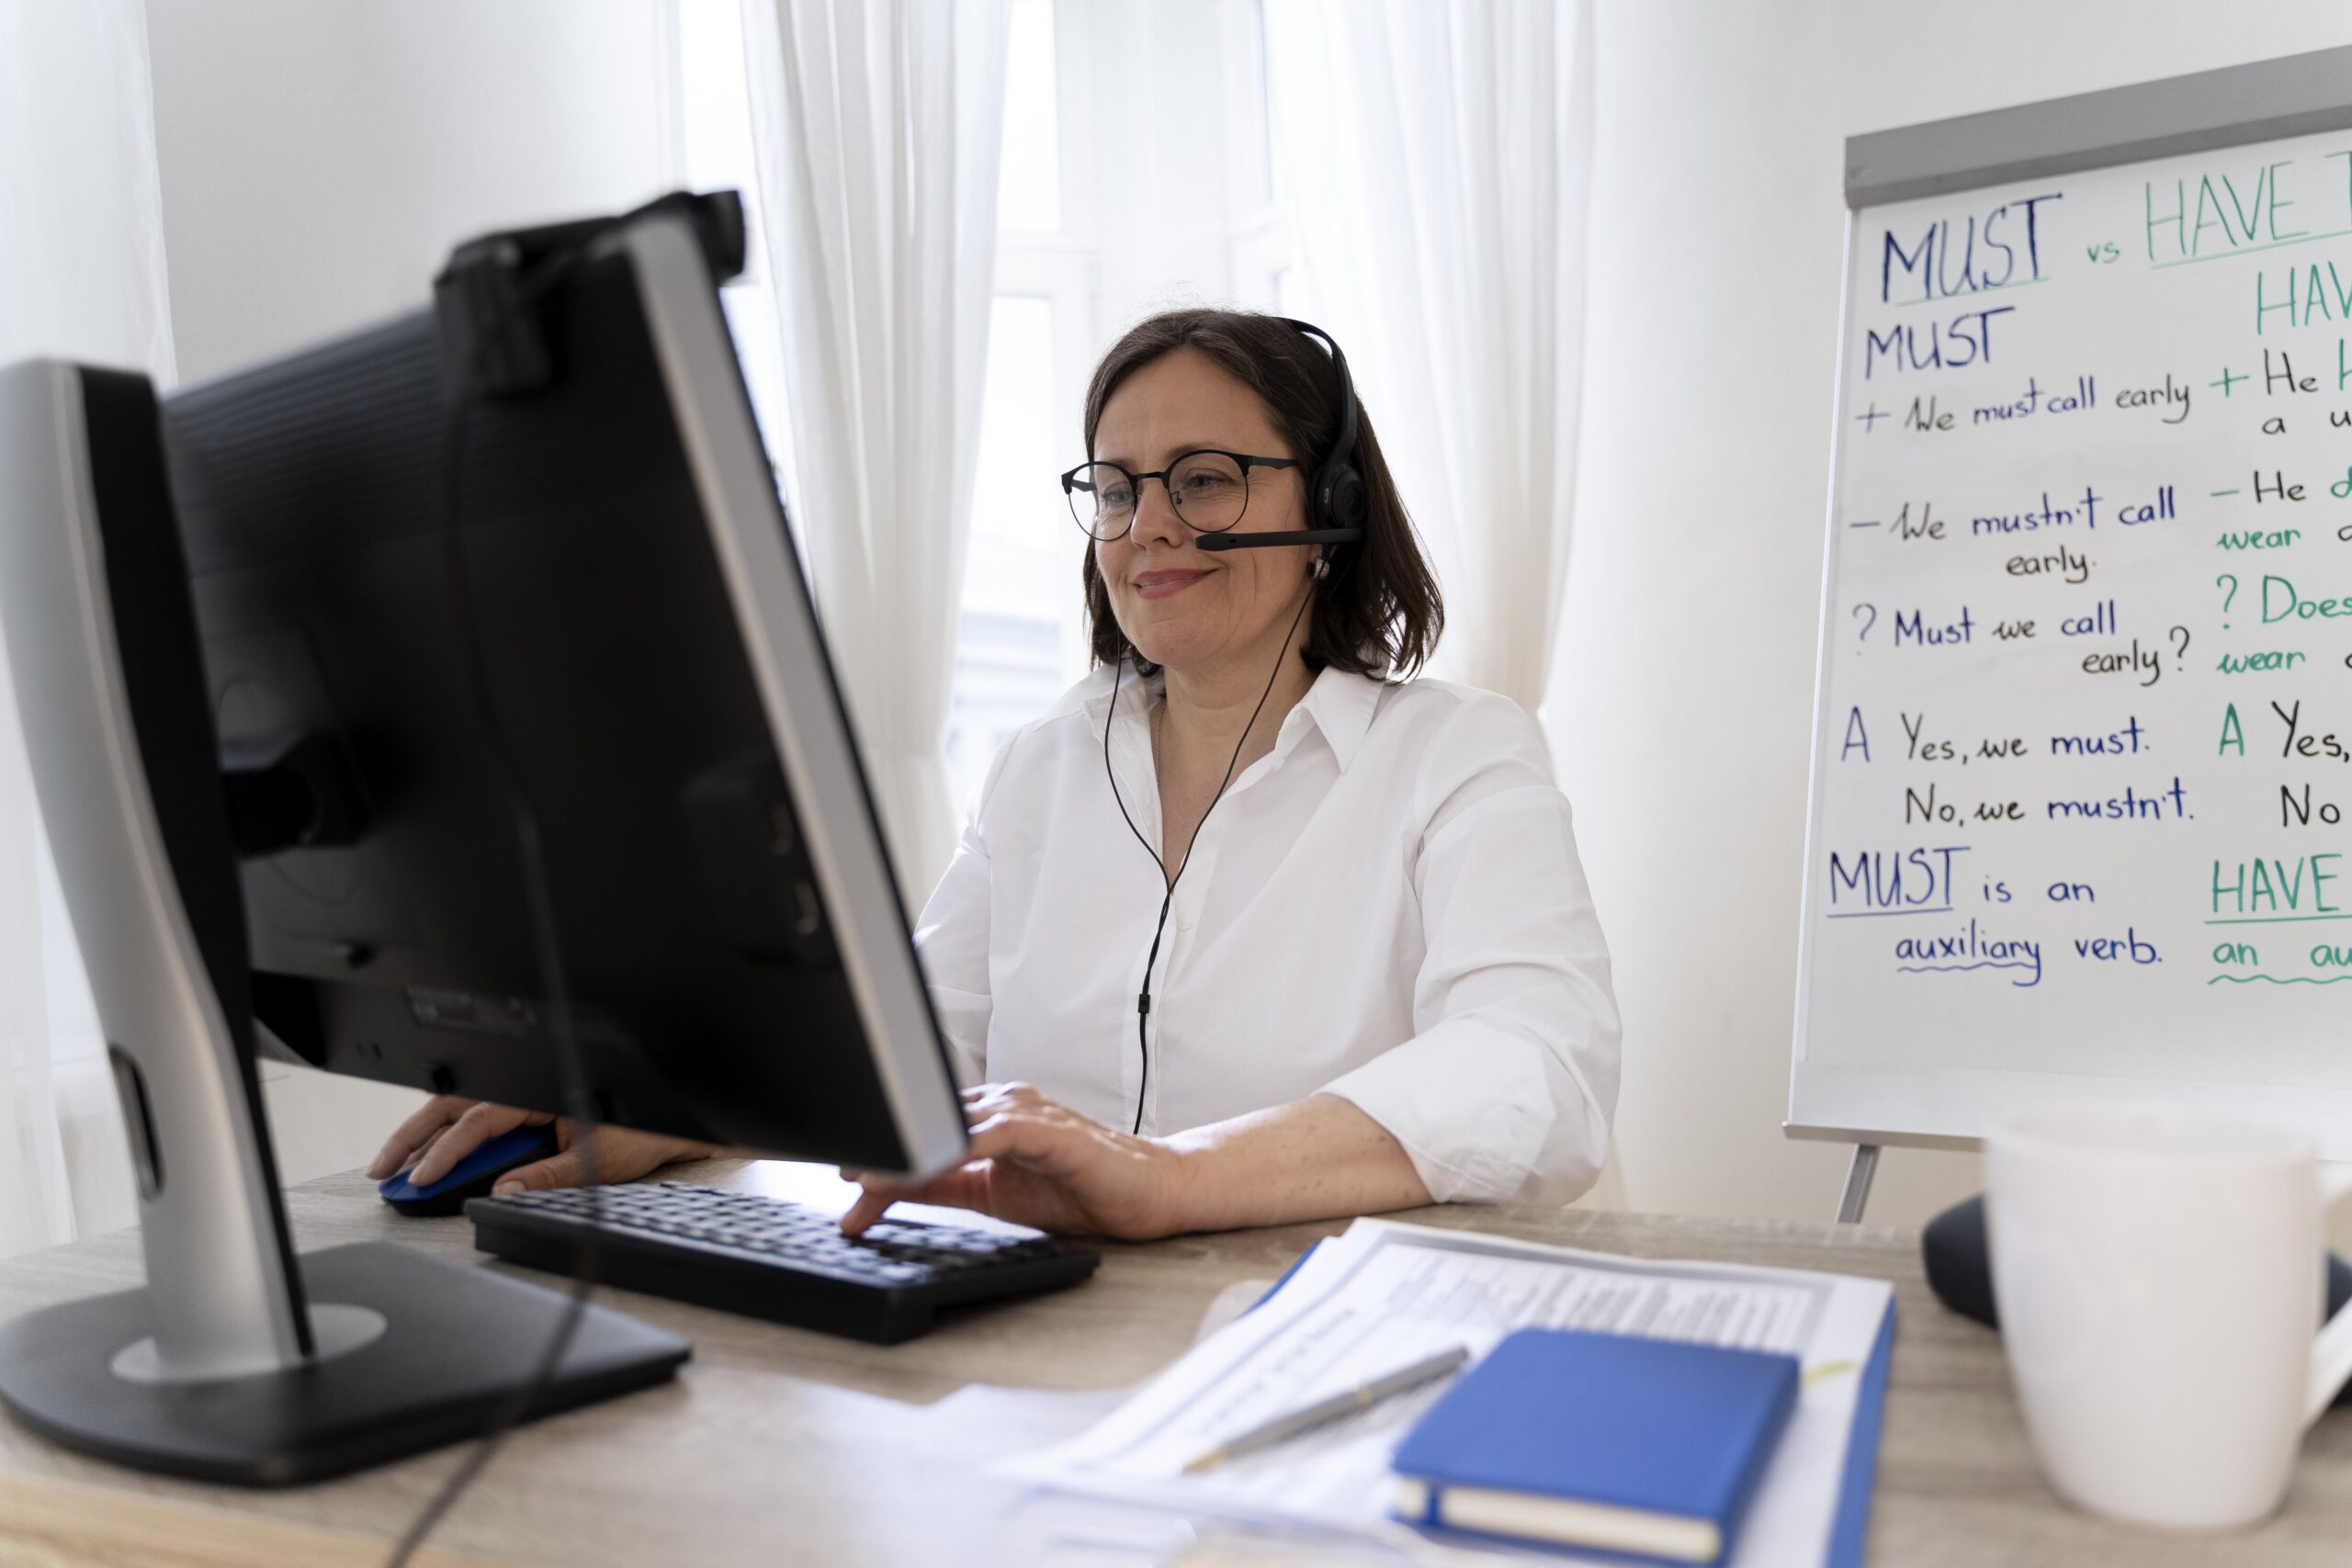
1861	524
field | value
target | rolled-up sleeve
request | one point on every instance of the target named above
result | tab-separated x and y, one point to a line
1507	1088
952	940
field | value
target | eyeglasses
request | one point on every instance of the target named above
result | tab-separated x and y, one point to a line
1210	490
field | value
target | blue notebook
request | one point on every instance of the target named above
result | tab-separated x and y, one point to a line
1862	1454
1649	1448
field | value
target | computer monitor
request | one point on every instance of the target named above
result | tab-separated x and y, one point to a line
509	569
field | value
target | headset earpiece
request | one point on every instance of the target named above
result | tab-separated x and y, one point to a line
1341	498
1336	492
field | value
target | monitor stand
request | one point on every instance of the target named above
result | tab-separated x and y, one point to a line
237	1362
410	1352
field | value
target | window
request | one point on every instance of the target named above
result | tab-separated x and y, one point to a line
1098	150
1017	636
1135	173
1029	194
1018	572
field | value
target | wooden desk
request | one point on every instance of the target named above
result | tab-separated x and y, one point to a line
782	1447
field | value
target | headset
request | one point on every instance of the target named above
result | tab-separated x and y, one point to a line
1335	498
1336	507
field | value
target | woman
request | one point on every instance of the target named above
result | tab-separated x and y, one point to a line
1253	927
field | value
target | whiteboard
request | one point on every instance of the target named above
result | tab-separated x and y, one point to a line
2082	753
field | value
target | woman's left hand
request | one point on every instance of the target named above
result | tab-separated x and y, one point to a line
448	1127
1037	1163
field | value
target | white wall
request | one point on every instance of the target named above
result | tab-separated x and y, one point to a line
317	160
1683	698
319	157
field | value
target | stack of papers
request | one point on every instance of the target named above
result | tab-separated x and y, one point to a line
1385	1293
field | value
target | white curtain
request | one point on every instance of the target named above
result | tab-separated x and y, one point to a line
878	125
1439	157
81	278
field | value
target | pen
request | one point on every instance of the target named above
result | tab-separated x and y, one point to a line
1361	1397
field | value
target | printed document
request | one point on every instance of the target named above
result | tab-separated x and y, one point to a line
1385	1295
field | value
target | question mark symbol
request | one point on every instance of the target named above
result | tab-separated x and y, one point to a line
1864	637
2227	597
2180	636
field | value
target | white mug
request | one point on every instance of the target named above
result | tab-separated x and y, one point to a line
2160	1275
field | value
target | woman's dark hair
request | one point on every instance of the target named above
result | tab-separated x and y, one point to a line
1378	613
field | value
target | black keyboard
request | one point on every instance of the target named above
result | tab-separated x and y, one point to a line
765	1258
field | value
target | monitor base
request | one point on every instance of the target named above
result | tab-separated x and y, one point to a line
458	1342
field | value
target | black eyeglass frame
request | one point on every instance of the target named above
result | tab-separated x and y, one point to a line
1135	482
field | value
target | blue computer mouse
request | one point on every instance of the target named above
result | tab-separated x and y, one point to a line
471	1177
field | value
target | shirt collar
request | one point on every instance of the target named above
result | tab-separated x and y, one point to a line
1092	696
1341	706
1339	703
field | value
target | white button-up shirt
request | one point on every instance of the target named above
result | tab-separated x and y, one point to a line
1388	906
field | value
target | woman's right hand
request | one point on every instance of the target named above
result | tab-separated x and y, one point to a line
1037	1162
448	1127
